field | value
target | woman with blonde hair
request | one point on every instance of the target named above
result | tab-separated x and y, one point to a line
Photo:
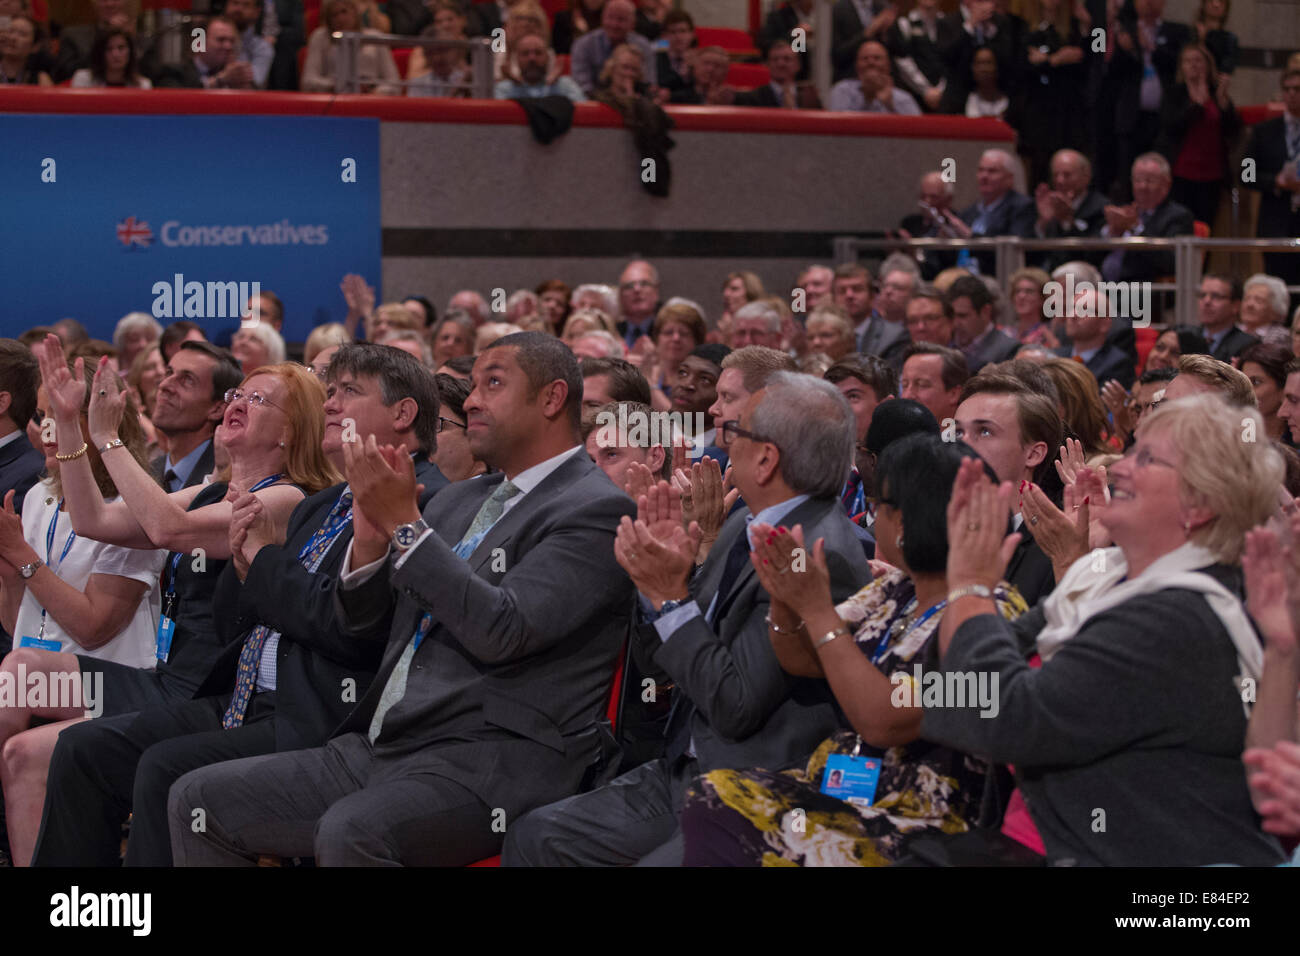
1081	408
830	332
1146	648
739	289
376	67
323	337
584	320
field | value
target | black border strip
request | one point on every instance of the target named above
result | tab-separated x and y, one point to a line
608	243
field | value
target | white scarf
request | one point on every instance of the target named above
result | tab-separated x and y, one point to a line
1083	593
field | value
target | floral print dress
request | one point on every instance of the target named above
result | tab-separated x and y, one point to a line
761	818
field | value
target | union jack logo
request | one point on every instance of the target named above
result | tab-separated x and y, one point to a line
131	233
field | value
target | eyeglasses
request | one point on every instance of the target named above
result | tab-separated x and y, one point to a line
637	284
1143	458
444	422
731	431
254	398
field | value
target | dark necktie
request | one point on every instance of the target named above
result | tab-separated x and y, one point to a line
737	558
169	480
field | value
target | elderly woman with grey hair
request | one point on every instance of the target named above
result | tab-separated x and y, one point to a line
255	346
134	333
594	296
1149	658
1264	302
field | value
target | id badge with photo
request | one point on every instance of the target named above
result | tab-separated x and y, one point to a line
851	779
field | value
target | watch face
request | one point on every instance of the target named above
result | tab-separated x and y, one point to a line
405	536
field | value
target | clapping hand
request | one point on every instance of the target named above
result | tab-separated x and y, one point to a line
789	572
251	528
65	387
655	550
978	545
107	404
1063	538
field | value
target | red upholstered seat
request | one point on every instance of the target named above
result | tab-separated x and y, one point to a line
728	38
747	76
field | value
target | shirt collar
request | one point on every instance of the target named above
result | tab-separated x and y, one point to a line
185	467
531	477
772	514
12	436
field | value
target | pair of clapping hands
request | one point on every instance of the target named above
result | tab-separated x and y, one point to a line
384	496
1065	535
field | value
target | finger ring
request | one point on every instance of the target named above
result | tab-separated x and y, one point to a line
1033	519
785	571
972	526
103	391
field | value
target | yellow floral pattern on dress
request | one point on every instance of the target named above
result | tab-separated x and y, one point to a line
761	818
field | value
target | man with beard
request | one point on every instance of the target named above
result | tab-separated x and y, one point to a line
531	57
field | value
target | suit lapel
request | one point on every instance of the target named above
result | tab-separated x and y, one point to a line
518	517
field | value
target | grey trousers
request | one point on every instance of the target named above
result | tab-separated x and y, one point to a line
632	820
336	803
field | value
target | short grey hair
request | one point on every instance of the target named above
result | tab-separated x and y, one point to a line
133	321
1007	160
1076	155
612	344
764	311
1157	160
1079	269
1277	294
409	335
899	262
811	423
270	338
607	295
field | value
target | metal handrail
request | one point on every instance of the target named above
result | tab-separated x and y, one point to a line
1009	255
347	77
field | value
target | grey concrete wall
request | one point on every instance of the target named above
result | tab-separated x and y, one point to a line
774	202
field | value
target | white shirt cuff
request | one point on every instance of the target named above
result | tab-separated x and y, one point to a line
670	622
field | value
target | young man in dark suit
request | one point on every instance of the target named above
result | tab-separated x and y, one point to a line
191	400
970	304
1275	147
1087	323
20	464
290	673
1218	307
736	706
507	618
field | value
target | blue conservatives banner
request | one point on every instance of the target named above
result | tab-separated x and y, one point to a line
183	217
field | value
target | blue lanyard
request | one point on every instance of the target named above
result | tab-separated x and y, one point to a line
177	555
883	646
49	550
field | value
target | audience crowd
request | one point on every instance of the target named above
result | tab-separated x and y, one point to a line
911	572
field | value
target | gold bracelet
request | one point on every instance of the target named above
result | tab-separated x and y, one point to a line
76	454
110	445
841	631
777	629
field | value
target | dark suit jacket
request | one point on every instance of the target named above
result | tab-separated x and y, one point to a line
20	468
183	75
738	705
780	25
1268	148
1029	569
1088	220
997	346
1233	344
1125	71
1167	219
507	692
1108	362
315	657
884	338
669	79
202	468
805	96
1015	216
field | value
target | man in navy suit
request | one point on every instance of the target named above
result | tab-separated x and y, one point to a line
20	464
1275	147
1069	208
970	303
1000	211
1151	213
1087	323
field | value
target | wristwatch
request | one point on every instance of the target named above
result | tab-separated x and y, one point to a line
27	570
671	605
406	535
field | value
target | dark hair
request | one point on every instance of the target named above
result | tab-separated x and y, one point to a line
20	374
852	270
1234	284
677	16
35	334
1158	375
430	313
99	53
545	359
626	383
452	392
401	375
71	332
461	363
918	472
1190	341
174	334
870	370
955	370
226	373
711	352
897	418
1273	359
276	304
969	287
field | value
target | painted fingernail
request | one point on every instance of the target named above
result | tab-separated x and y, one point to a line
1085	498
765	561
770	539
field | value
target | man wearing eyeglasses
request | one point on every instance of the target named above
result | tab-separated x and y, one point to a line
283	681
638	300
1218	307
188	408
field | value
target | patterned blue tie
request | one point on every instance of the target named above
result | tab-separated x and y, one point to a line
250	655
